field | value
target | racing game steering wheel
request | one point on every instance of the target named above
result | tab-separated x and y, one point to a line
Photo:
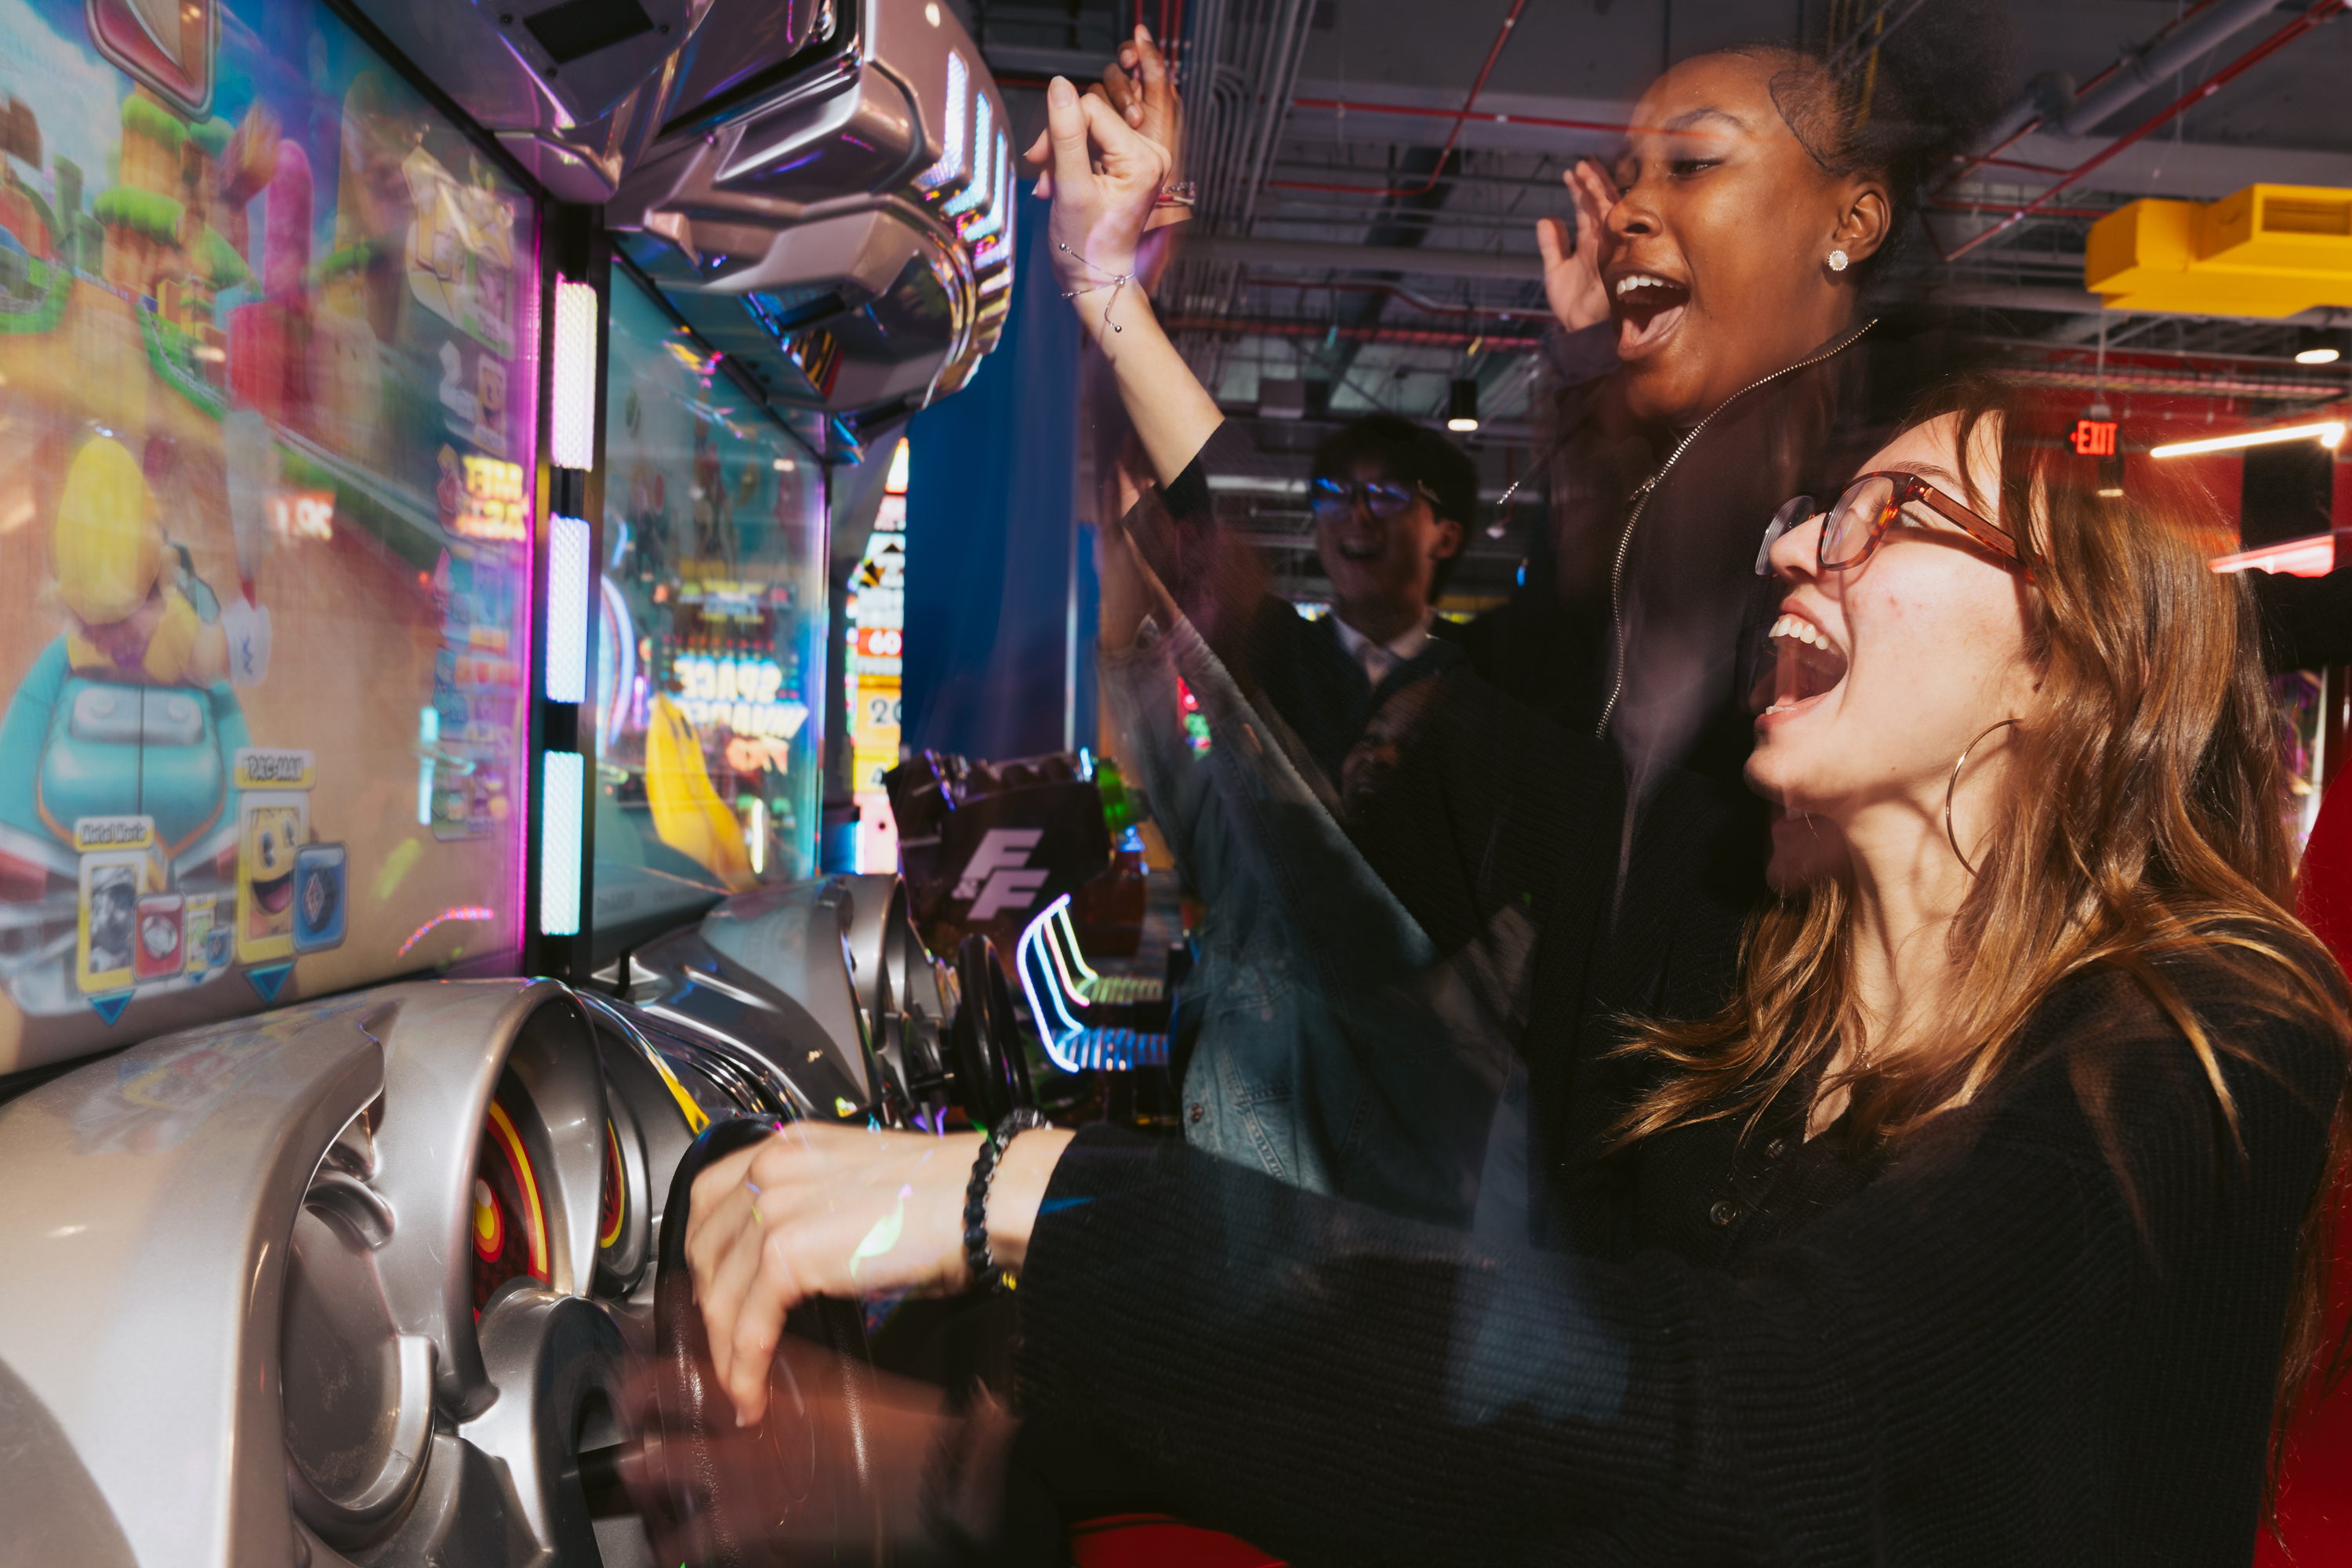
796	1489
992	1070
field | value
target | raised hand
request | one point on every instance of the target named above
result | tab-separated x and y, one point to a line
1139	85
1572	262
1104	177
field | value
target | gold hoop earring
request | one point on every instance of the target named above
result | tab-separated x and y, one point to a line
1954	784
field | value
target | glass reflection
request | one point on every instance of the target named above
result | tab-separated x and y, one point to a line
711	645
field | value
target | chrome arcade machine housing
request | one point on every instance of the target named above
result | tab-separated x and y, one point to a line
372	1279
834	214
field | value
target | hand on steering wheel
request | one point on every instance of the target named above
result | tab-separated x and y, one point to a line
845	1212
1571	262
818	1211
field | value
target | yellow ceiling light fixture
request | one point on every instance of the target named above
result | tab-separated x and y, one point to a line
2269	250
2328	433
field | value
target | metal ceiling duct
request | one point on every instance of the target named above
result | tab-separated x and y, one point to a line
838	220
2053	102
1240	66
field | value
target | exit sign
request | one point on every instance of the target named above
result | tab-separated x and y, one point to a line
2095	438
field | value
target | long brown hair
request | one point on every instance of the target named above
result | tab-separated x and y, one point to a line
2145	820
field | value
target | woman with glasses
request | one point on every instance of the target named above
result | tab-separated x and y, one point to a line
1979	1224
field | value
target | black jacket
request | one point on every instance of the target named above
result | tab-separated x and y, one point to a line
2044	1332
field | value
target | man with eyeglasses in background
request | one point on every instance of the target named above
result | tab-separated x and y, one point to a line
1362	928
1391	503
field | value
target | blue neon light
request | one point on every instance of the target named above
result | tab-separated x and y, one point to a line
1046	967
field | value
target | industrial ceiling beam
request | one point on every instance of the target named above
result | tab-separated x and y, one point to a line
1317	256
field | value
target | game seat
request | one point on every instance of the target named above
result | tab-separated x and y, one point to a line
1156	1541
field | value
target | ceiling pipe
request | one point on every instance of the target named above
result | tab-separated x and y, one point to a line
1446	154
1406	337
2051	102
1415	298
2176	386
2321	11
2170	52
1323	256
1363	106
2045	299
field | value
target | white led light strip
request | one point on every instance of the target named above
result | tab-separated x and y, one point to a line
571	429
568	570
980	191
564	780
952	143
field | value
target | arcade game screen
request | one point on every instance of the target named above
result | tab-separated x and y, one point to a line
266	347
712	644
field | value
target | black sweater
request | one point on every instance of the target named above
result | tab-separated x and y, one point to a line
2045	1331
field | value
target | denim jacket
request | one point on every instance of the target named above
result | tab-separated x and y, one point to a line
1323	1040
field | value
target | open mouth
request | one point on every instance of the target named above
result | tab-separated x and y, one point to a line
1647	308
1805	667
276	895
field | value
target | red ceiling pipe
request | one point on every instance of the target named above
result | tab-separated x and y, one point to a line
1946	204
1971	165
1494	53
1490	118
2311	18
1990	162
1411	337
2133	354
1413	297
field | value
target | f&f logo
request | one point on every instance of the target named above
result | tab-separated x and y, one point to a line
998	876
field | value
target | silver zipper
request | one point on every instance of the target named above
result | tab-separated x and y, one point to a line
1642	501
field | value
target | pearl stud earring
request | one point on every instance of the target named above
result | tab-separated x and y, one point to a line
1837	260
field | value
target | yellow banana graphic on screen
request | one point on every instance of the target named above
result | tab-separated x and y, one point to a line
687	813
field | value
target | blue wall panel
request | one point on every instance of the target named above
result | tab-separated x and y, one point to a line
990	536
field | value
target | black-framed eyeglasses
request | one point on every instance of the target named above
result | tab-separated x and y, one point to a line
1387	500
1867	508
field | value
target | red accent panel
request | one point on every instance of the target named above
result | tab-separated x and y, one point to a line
2323	890
2315	1490
1156	1541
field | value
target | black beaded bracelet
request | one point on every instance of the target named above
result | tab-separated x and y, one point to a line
985	1275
